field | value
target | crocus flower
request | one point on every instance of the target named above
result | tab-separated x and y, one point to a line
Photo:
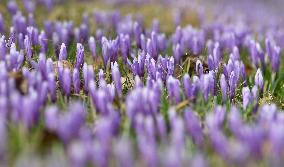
187	86
52	86
224	87
12	7
1	24
193	127
123	152
235	122
77	153
275	58
177	50
205	85
30	114
79	56
92	47
219	143
76	81
70	122
258	80
232	84
66	80
28	47
124	42
63	52
173	89
51	118
116	78
246	97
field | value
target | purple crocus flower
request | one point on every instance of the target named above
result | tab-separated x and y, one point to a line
246	97
70	122
254	92
63	52
195	86
2	48
48	27
123	152
205	85
51	118
143	42
79	56
52	86
116	78
211	63
187	86
66	80
177	133
1	24
78	154
275	58
85	77
28	47
258	80
173	89
137	30
76	81
193	127
219	142
30	114
267	114
235	122
124	41
276	137
232	84
177	50
12	7
89	76
4	139
268	47
49	66
43	42
92	47
156	26
224	87
105	51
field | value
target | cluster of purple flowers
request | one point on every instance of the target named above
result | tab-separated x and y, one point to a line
134	73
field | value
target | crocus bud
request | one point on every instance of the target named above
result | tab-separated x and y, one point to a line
224	87
1	24
28	47
173	89
187	86
193	126
211	64
66	81
79	56
52	86
92	47
63	52
246	97
51	118
76	81
258	80
275	59
116	78
232	84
